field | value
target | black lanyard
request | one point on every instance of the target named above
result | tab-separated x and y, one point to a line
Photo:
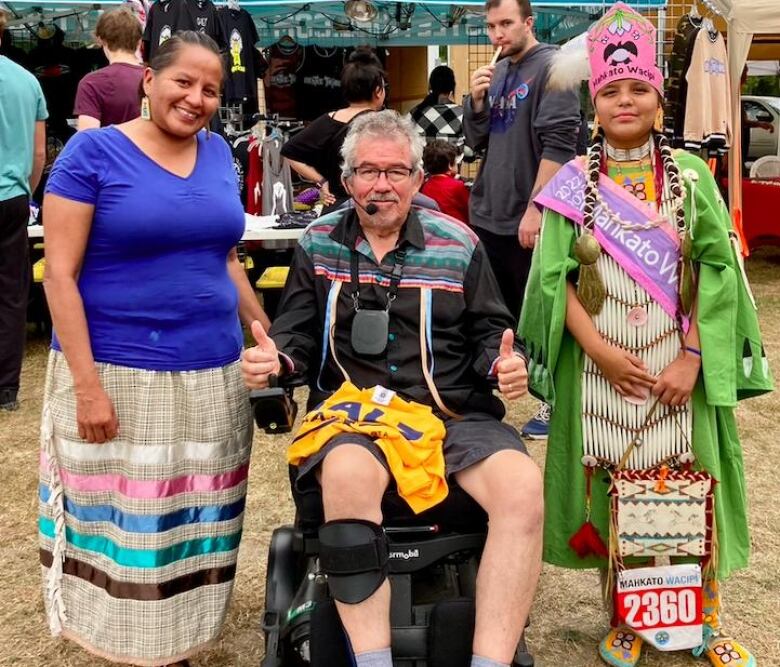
399	257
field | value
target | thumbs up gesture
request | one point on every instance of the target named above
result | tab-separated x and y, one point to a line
510	369
260	361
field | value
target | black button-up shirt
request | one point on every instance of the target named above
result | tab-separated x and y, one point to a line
467	315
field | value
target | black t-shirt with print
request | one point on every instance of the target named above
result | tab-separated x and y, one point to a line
166	17
318	86
244	63
284	60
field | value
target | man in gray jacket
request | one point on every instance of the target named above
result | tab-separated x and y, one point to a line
527	132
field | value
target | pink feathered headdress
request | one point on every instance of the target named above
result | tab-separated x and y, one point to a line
622	46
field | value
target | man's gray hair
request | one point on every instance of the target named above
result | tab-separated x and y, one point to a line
386	124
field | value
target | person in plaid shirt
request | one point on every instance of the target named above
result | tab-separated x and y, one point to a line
437	116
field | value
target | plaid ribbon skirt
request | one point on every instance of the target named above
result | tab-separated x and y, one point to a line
139	536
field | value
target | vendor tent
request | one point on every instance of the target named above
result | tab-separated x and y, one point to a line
744	18
325	23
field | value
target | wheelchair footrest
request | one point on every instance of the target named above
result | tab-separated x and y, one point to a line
451	633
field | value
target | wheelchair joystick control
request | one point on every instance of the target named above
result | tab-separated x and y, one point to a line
274	407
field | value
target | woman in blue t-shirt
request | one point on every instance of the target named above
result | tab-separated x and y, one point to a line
146	428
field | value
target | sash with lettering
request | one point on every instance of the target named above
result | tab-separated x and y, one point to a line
648	255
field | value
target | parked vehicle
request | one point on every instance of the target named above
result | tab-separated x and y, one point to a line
762	109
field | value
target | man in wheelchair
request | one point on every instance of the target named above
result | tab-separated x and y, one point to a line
393	316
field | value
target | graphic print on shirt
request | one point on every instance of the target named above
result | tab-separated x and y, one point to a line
503	106
165	34
715	67
236	44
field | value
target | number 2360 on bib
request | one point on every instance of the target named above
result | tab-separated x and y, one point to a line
663	605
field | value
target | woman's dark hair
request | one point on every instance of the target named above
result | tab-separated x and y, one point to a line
362	75
438	156
168	51
441	82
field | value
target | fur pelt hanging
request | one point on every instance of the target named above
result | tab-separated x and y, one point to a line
570	65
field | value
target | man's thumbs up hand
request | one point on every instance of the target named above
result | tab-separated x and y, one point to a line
510	369
507	344
260	361
260	336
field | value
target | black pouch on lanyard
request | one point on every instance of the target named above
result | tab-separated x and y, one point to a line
368	335
369	331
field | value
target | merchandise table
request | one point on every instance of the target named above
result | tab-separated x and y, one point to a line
258	228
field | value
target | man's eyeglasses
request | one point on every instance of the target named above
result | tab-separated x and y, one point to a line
394	174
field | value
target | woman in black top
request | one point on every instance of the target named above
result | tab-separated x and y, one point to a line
315	151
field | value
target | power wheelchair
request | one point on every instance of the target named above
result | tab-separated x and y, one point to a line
431	562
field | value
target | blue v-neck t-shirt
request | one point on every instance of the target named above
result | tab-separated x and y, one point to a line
154	279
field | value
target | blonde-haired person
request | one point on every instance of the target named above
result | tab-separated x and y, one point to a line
146	428
643	337
109	96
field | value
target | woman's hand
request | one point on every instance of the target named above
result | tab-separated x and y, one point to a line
677	380
626	372
326	197
95	415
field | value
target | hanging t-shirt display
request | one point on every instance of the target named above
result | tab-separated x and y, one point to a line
254	179
241	33
168	16
676	83
284	59
240	150
277	184
319	82
54	66
160	25
707	119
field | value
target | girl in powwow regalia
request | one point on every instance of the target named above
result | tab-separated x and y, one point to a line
643	335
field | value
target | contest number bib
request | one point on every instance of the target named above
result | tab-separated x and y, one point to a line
663	605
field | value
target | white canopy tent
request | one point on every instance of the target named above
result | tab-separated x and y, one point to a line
744	18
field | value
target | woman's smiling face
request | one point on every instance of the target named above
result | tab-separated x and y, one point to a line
184	95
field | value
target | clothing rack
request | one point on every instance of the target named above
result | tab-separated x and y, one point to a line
232	118
697	10
275	120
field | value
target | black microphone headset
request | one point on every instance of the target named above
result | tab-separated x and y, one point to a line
371	208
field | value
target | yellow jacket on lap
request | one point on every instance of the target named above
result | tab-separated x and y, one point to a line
409	434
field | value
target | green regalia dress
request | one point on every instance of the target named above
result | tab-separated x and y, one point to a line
733	367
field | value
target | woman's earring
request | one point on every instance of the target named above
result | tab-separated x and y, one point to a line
658	125
146	108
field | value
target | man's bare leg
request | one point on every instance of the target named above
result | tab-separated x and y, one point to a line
508	486
353	483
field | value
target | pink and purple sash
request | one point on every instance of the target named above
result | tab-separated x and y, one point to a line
648	255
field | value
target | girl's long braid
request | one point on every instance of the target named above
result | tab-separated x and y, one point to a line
672	172
594	171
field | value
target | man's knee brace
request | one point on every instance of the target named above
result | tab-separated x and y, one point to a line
353	553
